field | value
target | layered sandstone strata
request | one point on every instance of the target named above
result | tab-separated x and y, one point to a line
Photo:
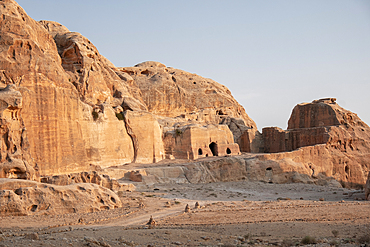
64	106
367	188
171	92
326	139
22	197
195	141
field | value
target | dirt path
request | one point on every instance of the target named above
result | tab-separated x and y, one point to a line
142	219
231	214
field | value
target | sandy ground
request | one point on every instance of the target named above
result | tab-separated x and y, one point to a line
230	214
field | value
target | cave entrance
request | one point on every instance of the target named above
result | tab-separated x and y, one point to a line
213	148
200	151
228	151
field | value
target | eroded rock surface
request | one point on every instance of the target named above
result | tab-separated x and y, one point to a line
21	197
367	188
88	177
326	139
196	141
64	106
171	92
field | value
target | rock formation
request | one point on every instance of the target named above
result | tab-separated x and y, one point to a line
367	188
23	197
324	144
64	106
65	109
88	177
324	137
195	141
172	92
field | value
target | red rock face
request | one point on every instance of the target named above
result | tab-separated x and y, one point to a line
340	137
171	92
62	103
367	188
30	61
316	114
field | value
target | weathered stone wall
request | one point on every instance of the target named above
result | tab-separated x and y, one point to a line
29	60
69	97
367	188
195	141
21	197
278	140
326	139
171	92
146	136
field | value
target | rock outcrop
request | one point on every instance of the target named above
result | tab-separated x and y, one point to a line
367	188
326	138
195	141
185	96
64	109
22	197
172	92
146	136
64	106
88	177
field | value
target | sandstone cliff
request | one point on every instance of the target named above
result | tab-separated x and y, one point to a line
176	94
326	139
367	188
65	98
171	92
64	106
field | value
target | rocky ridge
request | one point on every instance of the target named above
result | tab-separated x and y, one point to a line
82	110
65	109
22	197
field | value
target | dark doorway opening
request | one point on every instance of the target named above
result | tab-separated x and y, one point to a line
212	146
228	151
200	151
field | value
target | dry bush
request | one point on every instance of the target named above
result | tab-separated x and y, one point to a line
364	239
308	240
334	243
288	242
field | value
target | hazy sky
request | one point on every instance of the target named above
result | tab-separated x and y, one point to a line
271	54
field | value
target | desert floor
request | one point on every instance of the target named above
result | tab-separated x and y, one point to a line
231	214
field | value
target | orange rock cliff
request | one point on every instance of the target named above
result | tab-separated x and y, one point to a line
66	109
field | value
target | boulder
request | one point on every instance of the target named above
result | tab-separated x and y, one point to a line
20	197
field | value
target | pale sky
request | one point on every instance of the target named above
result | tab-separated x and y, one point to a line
271	54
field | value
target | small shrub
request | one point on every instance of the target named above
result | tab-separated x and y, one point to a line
364	239
178	132
177	202
348	240
120	116
121	194
288	243
308	240
335	233
213	194
334	243
247	236
95	115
